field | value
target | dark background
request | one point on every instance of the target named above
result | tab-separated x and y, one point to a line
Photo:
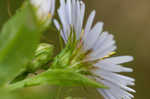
128	20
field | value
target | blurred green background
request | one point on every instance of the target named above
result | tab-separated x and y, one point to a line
128	20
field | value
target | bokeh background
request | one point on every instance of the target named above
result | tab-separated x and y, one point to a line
128	20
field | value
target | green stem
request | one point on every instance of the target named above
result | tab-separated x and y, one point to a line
18	85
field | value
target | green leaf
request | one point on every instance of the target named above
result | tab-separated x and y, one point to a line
18	40
57	77
7	9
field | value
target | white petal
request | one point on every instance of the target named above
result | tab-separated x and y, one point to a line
89	23
93	35
57	24
82	13
52	10
115	90
100	40
64	20
112	67
117	79
104	46
63	36
107	94
78	21
107	42
103	93
71	14
119	59
69	8
44	7
103	53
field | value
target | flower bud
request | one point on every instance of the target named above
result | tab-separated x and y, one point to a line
43	55
44	9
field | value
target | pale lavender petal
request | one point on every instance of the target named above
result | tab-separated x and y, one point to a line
89	23
115	90
57	24
52	7
119	59
112	67
93	35
117	79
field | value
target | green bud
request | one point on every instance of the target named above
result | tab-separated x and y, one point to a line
43	55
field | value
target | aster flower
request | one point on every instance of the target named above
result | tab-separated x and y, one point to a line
92	49
45	8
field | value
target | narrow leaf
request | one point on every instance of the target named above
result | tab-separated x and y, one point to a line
57	77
